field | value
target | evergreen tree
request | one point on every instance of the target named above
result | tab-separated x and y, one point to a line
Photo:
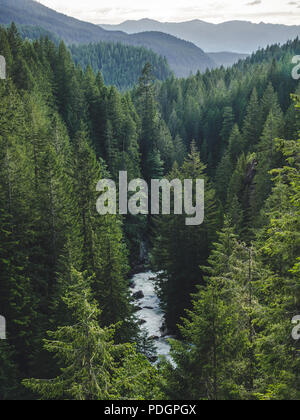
252	122
92	366
9	386
236	144
228	122
267	156
223	176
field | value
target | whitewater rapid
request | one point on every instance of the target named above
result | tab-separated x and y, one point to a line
151	312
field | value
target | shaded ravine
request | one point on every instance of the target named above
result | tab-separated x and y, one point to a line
151	313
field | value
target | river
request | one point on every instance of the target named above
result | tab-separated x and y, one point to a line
151	312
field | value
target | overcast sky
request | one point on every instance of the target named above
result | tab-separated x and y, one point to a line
116	11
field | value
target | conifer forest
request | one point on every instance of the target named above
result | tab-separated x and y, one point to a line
228	288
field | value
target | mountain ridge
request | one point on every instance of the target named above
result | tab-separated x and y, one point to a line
240	36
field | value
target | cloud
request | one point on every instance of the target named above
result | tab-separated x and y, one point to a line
254	3
294	3
214	11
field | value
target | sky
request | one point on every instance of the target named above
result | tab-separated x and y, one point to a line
215	11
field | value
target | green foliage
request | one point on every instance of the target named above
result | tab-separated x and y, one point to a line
267	156
279	245
237	340
229	297
206	106
92	366
8	373
49	172
121	65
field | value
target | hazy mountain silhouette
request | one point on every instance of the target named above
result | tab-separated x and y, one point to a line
236	36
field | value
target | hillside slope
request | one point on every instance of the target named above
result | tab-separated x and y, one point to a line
121	65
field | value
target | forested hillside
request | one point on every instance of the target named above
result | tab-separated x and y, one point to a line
35	32
236	336
230	287
233	116
120	65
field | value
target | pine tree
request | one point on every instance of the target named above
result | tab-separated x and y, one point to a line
70	97
267	157
252	123
223	176
147	108
228	123
236	144
236	193
269	101
9	386
92	366
180	150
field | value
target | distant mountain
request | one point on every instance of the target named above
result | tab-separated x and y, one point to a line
183	57
29	12
237	36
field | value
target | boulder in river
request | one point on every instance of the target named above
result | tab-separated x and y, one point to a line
138	295
164	330
136	270
148	307
154	337
142	321
131	284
